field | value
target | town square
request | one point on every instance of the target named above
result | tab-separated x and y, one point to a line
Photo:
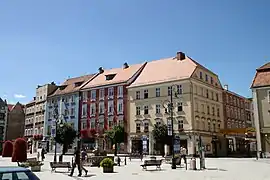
98	89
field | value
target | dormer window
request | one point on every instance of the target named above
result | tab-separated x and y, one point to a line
62	87
110	76
77	84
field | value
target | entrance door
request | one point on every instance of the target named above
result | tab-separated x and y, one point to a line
136	146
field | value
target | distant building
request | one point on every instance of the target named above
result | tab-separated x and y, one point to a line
261	102
66	101
35	115
15	121
3	120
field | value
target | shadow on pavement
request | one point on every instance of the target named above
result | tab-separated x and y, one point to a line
216	169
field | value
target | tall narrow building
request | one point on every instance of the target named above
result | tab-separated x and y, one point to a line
3	120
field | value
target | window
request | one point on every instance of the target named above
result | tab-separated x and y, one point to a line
218	98
138	95
110	107
138	110
84	125
72	98
101	123
202	108
157	108
93	94
158	123
179	89
146	127
213	111
157	92
208	110
218	128
207	94
101	94
85	96
202	92
101	108
93	109
72	111
110	91
138	127
84	109
145	94
93	124
120	106
110	121
211	79
196	107
180	124
212	95
201	75
209	126
120	90
218	112
206	77
179	106
145	109
268	95
169	90
214	127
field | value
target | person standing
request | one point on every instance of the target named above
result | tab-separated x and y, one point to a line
42	154
183	155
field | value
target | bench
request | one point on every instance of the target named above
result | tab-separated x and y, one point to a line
135	156
55	165
156	163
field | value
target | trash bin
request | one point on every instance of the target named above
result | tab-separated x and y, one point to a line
192	165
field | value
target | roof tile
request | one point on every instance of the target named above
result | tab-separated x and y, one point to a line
169	69
121	75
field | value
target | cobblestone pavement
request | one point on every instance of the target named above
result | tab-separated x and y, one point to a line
217	169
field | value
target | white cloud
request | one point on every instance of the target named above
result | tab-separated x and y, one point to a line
19	96
4	95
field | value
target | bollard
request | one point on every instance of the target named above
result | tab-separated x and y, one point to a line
118	161
125	160
192	164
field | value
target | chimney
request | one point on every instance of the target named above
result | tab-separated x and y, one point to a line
100	70
226	87
180	56
125	66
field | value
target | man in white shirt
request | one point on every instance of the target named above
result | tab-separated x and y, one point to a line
183	155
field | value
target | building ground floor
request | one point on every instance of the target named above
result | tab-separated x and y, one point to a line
212	144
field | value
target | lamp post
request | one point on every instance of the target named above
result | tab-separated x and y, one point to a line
169	106
58	120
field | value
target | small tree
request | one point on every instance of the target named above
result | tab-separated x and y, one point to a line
7	149
116	135
65	136
19	151
160	134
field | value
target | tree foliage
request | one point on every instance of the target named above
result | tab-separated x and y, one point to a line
65	135
19	151
160	133
116	135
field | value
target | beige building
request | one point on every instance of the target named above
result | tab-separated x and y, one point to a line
198	109
35	113
261	104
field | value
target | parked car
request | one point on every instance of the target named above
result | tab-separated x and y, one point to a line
12	173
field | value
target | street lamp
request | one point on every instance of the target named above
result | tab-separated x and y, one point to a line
168	105
58	120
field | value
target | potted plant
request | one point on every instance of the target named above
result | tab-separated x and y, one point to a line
107	165
35	165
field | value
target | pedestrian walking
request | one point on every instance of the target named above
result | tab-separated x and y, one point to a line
42	154
77	163
183	155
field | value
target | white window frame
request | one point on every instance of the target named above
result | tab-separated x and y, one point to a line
179	89
120	91
157	92
158	108
92	109
84	107
85	94
110	107
138	110
120	107
138	94
110	92
93	95
101	107
101	94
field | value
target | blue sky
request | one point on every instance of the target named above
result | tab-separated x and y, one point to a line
44	41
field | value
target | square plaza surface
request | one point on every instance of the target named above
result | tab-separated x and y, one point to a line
217	169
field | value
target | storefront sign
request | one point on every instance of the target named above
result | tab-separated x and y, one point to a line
176	144
169	125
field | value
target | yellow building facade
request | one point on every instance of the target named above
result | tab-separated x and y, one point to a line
197	109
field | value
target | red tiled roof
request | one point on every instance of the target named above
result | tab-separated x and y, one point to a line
72	85
121	75
262	77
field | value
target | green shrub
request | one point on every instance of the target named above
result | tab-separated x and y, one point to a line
107	162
